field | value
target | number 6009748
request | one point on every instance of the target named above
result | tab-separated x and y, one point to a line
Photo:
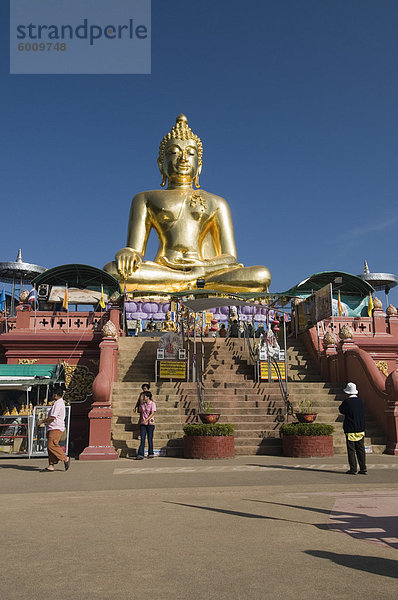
41	47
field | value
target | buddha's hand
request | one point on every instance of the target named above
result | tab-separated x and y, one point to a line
177	260
128	261
222	259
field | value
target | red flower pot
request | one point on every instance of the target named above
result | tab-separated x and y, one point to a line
306	417
209	417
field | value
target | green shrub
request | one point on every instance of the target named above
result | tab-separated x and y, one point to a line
306	429
215	429
206	408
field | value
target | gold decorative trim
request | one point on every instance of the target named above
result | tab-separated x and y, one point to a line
27	361
346	333
383	367
109	330
78	382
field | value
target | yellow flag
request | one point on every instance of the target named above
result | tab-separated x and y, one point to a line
339	305
102	301
370	306
66	299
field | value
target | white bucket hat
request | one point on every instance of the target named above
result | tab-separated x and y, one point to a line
351	389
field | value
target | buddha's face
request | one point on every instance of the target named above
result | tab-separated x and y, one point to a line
180	163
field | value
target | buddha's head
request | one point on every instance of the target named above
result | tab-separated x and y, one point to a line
180	155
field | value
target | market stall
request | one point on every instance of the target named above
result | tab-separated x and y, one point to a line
26	398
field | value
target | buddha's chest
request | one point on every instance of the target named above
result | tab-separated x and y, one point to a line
187	208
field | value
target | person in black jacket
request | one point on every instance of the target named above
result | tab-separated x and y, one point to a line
354	428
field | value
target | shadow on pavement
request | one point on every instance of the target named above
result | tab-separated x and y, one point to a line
371	564
323	511
20	467
358	525
312	469
236	513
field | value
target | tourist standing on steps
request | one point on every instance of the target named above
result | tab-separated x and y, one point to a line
354	428
55	427
147	425
145	388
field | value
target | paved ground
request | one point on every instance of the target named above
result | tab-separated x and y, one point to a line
251	527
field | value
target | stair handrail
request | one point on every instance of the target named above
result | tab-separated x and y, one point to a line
289	410
247	338
199	383
282	384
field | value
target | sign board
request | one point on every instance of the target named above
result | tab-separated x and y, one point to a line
76	296
274	374
323	303
170	342
172	369
315	308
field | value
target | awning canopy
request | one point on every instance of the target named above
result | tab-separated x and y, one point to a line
345	283
23	376
79	276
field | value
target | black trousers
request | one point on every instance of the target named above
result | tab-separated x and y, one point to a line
356	450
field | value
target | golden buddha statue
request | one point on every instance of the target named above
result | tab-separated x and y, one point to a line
168	324
196	237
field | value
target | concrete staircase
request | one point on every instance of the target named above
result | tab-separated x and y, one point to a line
168	430
306	384
256	409
135	367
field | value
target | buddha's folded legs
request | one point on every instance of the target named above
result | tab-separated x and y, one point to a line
151	275
243	279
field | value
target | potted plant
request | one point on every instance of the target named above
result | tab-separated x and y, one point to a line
305	414
207	414
209	440
304	440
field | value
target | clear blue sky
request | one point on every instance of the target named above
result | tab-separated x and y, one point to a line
295	102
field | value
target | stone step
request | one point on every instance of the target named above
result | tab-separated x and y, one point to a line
230	387
161	438
162	405
124	419
125	413
221	403
297	391
248	441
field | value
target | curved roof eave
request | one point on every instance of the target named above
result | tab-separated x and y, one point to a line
79	276
350	284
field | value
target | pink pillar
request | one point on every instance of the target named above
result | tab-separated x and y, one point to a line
100	445
393	325
379	321
392	413
328	360
345	345
114	316
23	316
